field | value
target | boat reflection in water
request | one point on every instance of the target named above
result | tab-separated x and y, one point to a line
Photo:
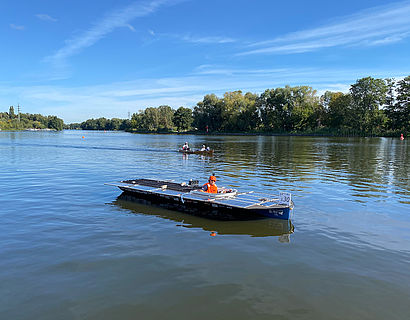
264	227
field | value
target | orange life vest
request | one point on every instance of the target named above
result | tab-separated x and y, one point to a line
211	188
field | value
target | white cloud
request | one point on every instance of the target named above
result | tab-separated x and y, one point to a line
376	26
45	17
196	38
116	19
208	39
131	28
16	27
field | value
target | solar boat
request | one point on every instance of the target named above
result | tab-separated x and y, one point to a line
226	204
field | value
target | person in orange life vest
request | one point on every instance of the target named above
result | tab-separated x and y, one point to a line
210	187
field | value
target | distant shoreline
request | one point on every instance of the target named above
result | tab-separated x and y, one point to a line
196	133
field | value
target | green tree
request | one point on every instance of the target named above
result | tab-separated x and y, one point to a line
403	105
183	119
55	123
249	119
239	112
368	96
306	111
208	113
12	115
101	123
125	124
137	121
150	119
90	124
275	107
114	124
165	115
337	106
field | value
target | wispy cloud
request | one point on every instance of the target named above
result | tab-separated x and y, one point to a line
119	18
131	28
376	26
207	39
45	17
207	69
196	39
16	27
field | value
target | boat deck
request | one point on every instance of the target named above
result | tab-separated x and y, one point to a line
246	200
163	184
190	195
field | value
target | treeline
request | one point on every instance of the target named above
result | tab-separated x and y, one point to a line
100	124
161	119
12	121
371	107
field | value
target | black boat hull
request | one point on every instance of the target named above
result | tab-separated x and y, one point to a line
209	209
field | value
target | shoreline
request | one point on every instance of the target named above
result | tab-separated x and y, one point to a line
201	133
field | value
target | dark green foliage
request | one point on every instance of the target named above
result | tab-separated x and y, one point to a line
101	124
368	96
402	106
55	123
183	119
165	116
208	113
11	113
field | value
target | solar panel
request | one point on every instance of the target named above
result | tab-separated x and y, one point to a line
236	203
253	198
194	197
168	192
142	188
264	195
269	203
247	196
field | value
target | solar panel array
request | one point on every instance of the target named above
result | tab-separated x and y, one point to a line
236	203
240	200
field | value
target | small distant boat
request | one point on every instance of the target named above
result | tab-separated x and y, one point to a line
190	151
226	204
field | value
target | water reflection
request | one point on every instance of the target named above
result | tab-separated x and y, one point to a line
253	228
370	168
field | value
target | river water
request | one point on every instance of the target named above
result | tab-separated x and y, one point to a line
73	248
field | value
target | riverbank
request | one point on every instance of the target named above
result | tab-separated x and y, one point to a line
259	133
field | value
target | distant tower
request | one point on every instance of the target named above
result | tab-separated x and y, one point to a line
18	111
129	115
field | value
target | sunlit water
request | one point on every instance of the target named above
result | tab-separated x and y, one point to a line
71	248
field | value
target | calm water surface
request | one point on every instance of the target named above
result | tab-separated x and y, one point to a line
72	248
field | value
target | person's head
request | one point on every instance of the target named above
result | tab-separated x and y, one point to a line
212	179
203	145
186	142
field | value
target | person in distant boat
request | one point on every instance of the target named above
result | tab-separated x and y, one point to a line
185	146
208	149
210	187
203	148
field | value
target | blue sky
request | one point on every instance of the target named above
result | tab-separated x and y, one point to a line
89	59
